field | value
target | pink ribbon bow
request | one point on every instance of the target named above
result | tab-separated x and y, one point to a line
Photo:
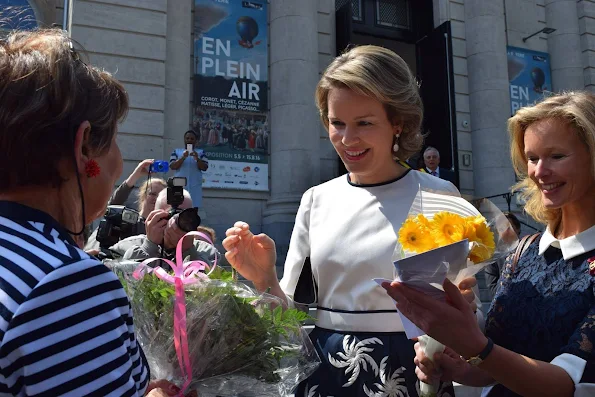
184	274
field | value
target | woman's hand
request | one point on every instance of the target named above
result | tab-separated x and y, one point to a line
141	169
452	323
173	234
155	224
447	366
252	256
164	388
466	288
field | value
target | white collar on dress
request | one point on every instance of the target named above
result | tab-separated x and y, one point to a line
572	246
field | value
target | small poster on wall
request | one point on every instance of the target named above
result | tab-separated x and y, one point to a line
529	75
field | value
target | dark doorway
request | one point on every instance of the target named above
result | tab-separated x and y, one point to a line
434	72
406	27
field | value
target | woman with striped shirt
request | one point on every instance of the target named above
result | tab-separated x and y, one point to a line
66	326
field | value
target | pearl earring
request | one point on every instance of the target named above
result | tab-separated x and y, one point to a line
396	145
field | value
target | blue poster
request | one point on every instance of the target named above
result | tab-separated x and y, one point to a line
230	111
529	75
231	55
16	15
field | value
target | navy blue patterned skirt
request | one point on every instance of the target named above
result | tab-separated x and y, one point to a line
362	364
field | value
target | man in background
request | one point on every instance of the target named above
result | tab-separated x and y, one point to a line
190	162
432	165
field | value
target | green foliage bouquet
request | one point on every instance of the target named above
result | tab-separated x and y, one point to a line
239	342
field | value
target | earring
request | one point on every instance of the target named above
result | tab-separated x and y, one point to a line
92	169
396	145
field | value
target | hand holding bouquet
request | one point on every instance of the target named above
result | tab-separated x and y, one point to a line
216	335
444	237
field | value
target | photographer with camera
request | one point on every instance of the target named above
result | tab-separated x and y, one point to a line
123	191
190	163
173	217
120	222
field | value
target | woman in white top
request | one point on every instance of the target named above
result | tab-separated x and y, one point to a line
347	229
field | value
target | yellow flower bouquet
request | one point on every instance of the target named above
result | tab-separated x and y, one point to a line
420	234
434	231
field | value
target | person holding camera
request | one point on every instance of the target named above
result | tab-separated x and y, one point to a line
101	238
123	191
190	164
164	230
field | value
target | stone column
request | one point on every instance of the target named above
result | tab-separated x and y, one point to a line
564	45
178	67
295	130
489	96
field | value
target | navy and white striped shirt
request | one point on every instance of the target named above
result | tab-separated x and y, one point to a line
66	325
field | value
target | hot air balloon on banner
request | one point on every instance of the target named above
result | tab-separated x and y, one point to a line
538	77
247	28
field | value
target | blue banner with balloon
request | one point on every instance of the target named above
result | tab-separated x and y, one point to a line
231	55
230	111
529	76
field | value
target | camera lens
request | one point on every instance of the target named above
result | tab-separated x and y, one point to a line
189	220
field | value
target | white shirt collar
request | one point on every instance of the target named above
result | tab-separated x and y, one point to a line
437	171
572	246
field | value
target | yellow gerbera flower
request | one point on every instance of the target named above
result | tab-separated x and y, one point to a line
422	220
476	220
414	236
470	230
485	243
485	235
447	228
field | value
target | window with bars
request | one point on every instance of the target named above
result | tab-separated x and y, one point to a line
357	9
393	13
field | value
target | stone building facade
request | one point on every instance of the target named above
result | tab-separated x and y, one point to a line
148	45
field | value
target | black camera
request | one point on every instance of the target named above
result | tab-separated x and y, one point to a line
118	223
188	220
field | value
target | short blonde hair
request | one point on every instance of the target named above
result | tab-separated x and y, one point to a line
576	109
378	73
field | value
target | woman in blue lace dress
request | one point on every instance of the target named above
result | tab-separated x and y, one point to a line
540	329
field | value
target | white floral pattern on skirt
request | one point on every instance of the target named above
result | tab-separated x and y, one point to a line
364	365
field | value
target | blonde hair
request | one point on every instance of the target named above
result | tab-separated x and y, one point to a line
143	191
46	92
378	73
577	110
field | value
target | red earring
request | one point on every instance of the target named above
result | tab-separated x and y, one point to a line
92	169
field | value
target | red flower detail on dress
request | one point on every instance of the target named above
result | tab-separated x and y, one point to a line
591	266
92	169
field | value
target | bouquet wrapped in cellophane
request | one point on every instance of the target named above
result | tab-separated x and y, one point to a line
447	237
210	333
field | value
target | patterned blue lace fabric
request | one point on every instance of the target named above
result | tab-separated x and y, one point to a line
545	306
